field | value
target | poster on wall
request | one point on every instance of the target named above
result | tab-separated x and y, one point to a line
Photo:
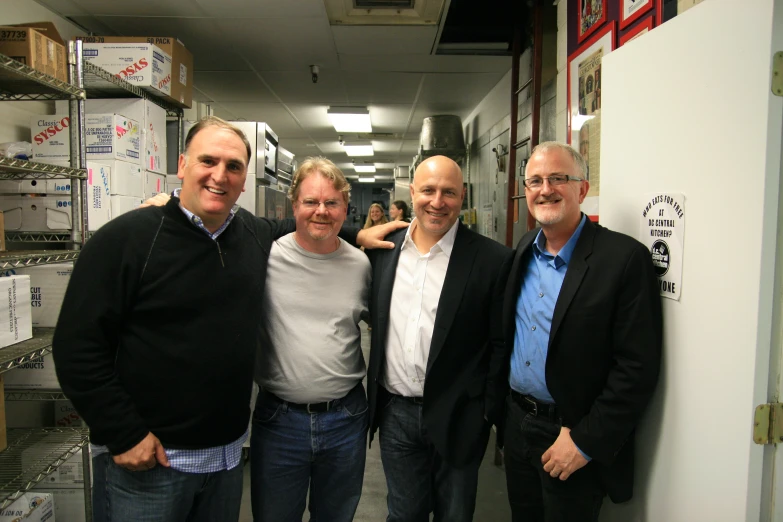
584	101
642	28
591	15
662	231
631	10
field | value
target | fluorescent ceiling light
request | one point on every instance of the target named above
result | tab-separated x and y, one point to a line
364	168
367	180
350	119
359	149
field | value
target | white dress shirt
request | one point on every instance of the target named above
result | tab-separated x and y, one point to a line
418	282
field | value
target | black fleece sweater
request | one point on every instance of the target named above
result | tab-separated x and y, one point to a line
158	329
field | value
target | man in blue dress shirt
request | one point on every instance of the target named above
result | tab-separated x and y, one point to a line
583	324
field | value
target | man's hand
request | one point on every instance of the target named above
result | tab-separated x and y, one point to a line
563	458
144	455
373	237
158	200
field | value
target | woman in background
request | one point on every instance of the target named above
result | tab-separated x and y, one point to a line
375	216
398	211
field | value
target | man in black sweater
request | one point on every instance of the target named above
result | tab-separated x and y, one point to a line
157	336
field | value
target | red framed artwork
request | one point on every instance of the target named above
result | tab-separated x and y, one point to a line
632	10
590	16
641	28
584	100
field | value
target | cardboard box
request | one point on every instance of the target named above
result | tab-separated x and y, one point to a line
172	183
66	416
68	502
36	213
152	122
38	374
34	48
142	64
16	323
69	474
30	507
36	186
121	204
98	180
47	290
153	184
125	179
113	137
51	136
3	434
181	62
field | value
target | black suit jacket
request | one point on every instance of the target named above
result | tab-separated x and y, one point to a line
604	346
466	353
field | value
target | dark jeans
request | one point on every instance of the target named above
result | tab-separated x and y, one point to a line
291	450
419	481
163	494
533	494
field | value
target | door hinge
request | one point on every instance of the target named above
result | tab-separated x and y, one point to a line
777	73
768	423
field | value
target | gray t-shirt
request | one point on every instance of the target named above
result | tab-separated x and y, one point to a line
310	347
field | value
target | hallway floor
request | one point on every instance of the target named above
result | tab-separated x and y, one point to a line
491	502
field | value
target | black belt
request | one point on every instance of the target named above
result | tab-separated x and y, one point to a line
310	407
414	400
535	407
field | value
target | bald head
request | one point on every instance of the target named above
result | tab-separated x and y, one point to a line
436	193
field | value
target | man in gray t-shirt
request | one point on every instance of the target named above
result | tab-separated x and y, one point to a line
310	421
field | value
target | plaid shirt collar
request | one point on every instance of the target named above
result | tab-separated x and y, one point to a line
200	223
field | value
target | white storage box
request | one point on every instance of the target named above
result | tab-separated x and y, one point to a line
36	186
16	323
51	137
125	179
121	204
151	119
141	64
66	416
98	202
154	184
47	290
36	213
69	474
68	502
113	137
30	507
38	374
172	183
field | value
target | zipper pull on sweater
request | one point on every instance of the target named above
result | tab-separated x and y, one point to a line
220	253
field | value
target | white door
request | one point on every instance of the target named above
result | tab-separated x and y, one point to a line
688	108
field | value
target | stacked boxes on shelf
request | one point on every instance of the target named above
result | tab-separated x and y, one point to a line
142	64
16	324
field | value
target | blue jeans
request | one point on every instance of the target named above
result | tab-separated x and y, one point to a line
418	479
533	494
291	450
163	494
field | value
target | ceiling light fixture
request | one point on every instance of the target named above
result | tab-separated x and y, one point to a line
364	168
370	179
350	119
358	149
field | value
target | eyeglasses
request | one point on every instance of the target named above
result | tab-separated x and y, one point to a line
329	204
555	179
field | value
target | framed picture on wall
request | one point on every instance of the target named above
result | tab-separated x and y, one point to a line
638	30
590	16
584	100
631	10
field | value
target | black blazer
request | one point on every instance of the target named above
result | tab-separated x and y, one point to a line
604	346
466	353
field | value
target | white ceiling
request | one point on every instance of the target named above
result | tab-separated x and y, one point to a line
252	62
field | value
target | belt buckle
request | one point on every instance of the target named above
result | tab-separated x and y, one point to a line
534	403
328	407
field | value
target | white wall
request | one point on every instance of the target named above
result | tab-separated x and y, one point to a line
669	126
15	116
